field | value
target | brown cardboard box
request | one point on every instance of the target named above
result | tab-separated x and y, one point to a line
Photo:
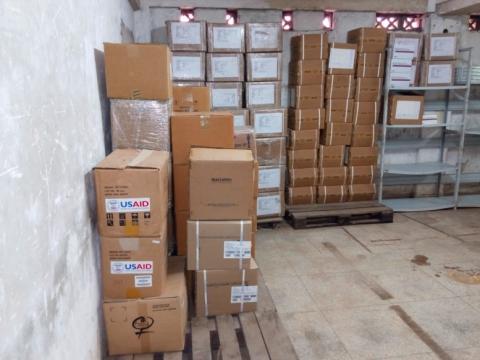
241	117
406	110
303	139
181	218
271	151
370	64
331	156
340	87
368	89
263	95
271	178
150	325
332	176
191	98
331	194
188	66
361	192
407	43
307	72
302	159
302	177
220	292
180	186
437	73
341	60
187	36
135	71
361	156
365	112
364	135
263	37
226	95
221	184
225	38
368	39
211	129
269	122
339	110
306	96
219	244
336	134
361	175
132	193
301	195
306	119
225	67
133	267
271	205
441	46
245	139
309	47
264	66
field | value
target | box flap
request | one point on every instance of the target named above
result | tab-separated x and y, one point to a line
134	158
206	154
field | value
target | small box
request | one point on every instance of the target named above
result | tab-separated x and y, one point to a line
362	156
307	72
188	66
441	46
336	134
368	39
241	117
368	89
264	66
370	65
271	205
301	195
191	98
331	194
271	151
245	139
262	95
406	110
341	60
406	44
302	177
307	96
362	192
263	37
361	175
225	67
226	95
366	112
437	73
181	218
310	47
269	122
364	135
187	36
339	110
226	38
271	178
303	139
306	119
219	244
331	156
340	87
301	159
331	176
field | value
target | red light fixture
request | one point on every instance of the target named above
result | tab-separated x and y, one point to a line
287	20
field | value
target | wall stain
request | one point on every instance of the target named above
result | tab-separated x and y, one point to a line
420	260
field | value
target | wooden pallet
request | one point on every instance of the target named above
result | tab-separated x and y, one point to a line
247	336
269	222
348	213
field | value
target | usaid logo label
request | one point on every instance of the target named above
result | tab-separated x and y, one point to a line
127	205
131	267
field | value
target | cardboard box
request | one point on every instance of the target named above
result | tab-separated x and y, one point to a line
336	134
150	325
132	193
269	122
245	139
225	67
271	205
271	178
339	110
226	95
365	112
368	39
133	267
262	95
210	130
406	110
303	139
272	151
331	194
361	156
364	135
307	96
331	156
341	60
134	71
191	98
441	46
226	291
219	244
180	186
307	72
241	117
361	192
340	87
188	66
187	36
301	195
226	38
368	89
332	176
221	184
437	73
306	119
361	175
370	64
302	177
406	44
264	66
181	218
302	159
309	47
263	37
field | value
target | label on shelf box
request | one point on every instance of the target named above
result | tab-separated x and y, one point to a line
269	178
186	33
143	281
264	67
341	58
443	46
237	249
227	38
268	205
407	109
266	123
224	97
264	38
405	48
225	67
186	67
439	74
239	120
244	294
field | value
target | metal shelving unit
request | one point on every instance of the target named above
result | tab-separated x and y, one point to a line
440	167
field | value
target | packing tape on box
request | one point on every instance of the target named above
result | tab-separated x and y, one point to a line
243	290
143	324
240	257
311	194
343	194
140	157
197	244
379	63
352	170
331	86
324	194
205	297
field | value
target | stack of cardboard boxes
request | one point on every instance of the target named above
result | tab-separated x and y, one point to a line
439	58
406	50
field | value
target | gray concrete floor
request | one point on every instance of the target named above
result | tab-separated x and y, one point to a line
407	290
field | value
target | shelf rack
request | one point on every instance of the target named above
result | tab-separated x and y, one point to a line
440	167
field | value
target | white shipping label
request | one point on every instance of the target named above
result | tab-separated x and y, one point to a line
264	38
268	205
227	38
407	110
443	46
225	67
143	281
225	98
187	67
127	205
265	67
186	33
269	178
262	94
131	267
237	249
239	120
244	294
407	46
399	83
267	123
439	74
341	58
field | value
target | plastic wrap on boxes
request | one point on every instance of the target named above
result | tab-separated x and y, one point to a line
272	151
188	66
187	36
241	117
271	204
271	178
263	37
225	67
264	67
244	138
225	38
189	83
226	95
269	122
263	95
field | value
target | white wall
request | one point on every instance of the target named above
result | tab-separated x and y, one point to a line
53	119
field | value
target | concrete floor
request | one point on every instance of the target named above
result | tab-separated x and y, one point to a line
407	290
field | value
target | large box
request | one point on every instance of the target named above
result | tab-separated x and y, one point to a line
361	175
364	135
341	60
307	72
368	89
440	46
303	139
134	71
365	112
339	110
241	117
332	176
188	66
133	267
187	36
191	98
302	159
269	122
221	184
331	194
226	95
301	195
306	119
368	39
132	193
310	47
336	134
307	96
219	244
271	178
361	156
226	38
331	156
271	151
362	192
406	109
340	87
271	205
302	177
437	73
181	218
150	325
370	65
264	66
406	44
226	291
262	95
263	37
225	67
